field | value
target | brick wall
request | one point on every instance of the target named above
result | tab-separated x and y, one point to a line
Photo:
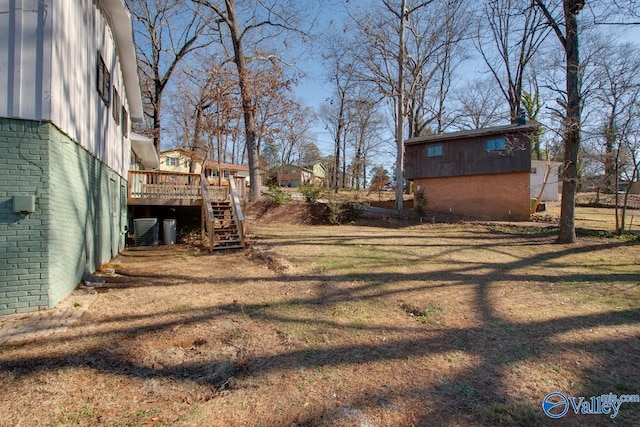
79	220
23	249
88	205
479	196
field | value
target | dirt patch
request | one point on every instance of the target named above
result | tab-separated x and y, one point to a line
298	213
603	200
347	325
274	260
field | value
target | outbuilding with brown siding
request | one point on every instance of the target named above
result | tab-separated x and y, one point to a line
481	173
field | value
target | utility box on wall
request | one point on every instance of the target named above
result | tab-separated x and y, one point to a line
24	204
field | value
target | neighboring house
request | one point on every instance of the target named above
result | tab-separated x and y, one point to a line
69	91
551	187
482	173
319	172
295	176
180	160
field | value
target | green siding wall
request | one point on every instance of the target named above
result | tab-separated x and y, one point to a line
79	220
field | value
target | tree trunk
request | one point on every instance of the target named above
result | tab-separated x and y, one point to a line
610	157
247	103
567	232
400	116
338	138
344	159
156	117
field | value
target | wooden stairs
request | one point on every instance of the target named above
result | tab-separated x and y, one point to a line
222	219
225	227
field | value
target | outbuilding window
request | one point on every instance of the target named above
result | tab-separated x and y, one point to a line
496	144
434	150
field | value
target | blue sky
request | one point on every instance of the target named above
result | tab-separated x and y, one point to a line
313	90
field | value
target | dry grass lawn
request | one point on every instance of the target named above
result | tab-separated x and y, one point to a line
360	325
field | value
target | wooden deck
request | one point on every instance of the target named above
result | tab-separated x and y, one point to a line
154	188
222	218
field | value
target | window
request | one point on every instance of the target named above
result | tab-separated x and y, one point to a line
496	144
171	161
115	111
187	163
115	197
434	150
103	80
125	122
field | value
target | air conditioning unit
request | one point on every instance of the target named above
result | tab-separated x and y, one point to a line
146	231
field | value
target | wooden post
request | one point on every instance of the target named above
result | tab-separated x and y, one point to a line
202	222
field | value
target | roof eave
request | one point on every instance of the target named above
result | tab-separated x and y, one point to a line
474	133
123	33
145	150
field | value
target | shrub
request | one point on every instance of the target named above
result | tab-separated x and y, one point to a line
312	192
334	212
339	213
420	204
277	195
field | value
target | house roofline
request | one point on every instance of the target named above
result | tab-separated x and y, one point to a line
474	133
120	21
230	166
209	163
184	150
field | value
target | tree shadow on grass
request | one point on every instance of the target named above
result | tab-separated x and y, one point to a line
479	393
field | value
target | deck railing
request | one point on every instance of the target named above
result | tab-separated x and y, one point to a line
171	185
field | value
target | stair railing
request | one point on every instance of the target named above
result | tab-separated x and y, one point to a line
207	209
237	209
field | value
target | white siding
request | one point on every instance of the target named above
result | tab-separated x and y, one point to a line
538	171
25	59
50	72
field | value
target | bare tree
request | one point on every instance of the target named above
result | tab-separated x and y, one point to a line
618	93
627	162
268	21
479	105
391	69
294	134
276	111
451	31
618	13
365	135
565	26
166	32
515	32
309	153
410	54
206	103
341	72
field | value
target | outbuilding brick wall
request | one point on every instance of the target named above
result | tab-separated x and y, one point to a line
78	223
496	196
